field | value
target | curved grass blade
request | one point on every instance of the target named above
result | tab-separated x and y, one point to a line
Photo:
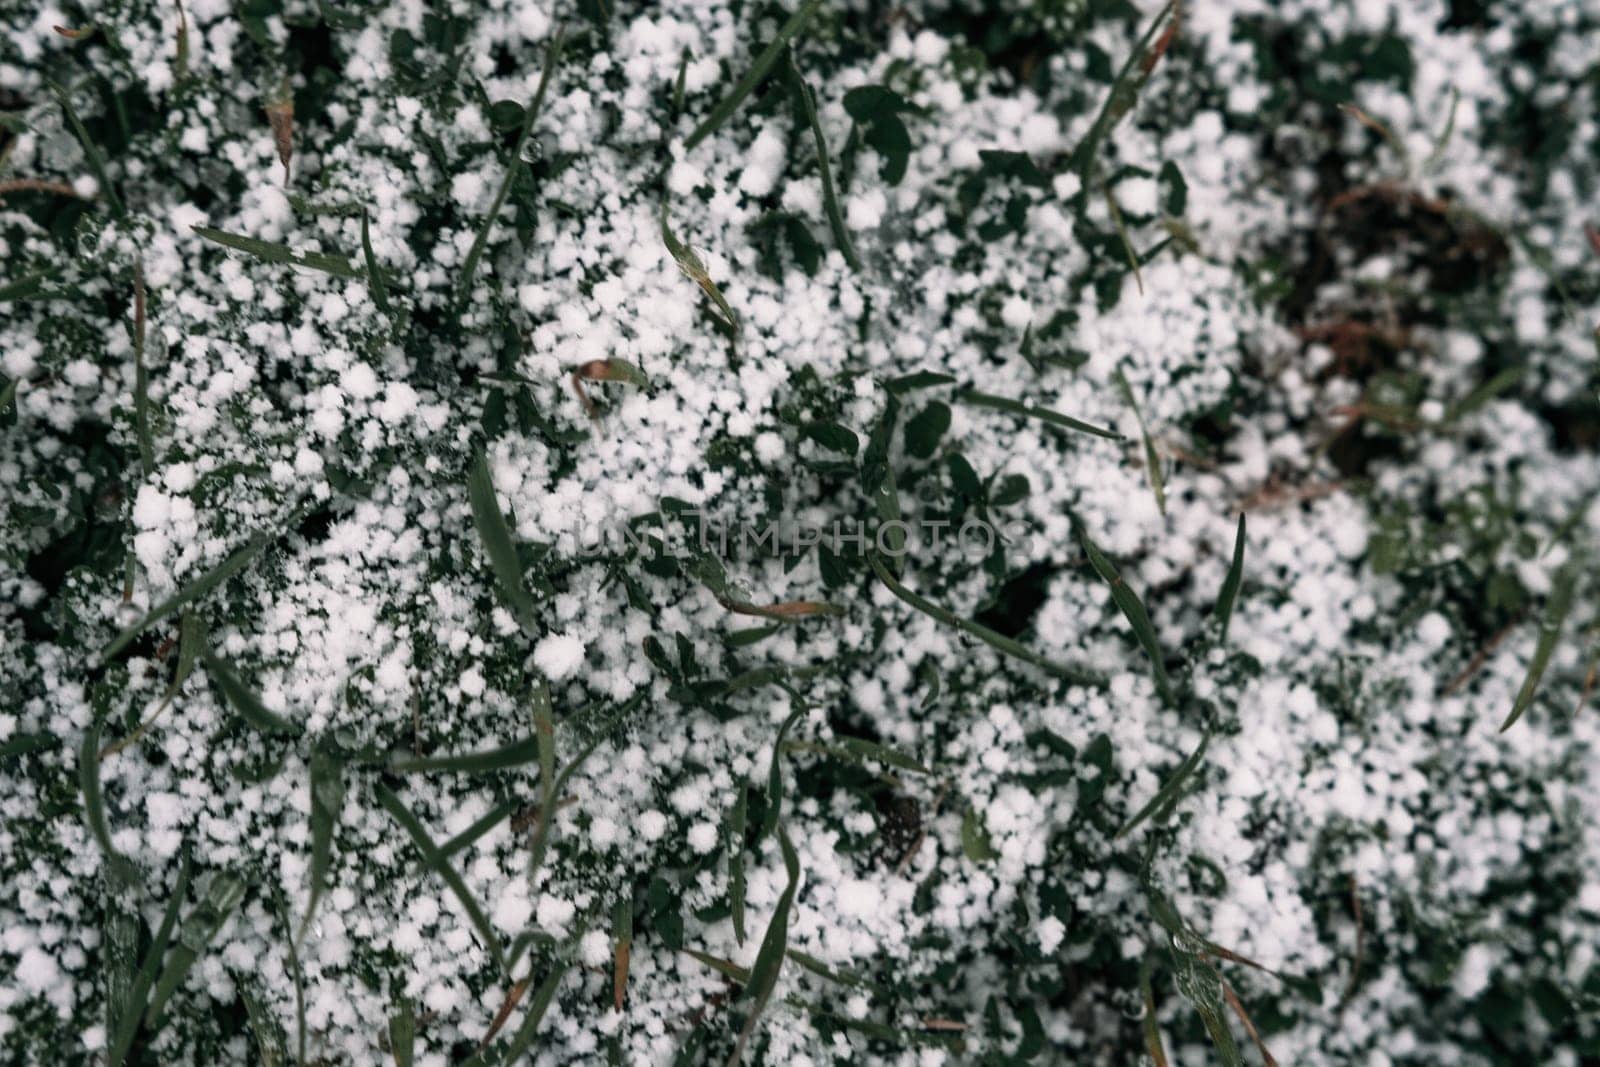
830	199
1152	462
436	861
91	151
189	642
1550	624
775	772
272	252
529	117
1133	608
981	632
1018	407
264	1026
769	960
243	699
1230	584
1169	792
327	799
193	591
119	868
297	977
690	263
522	1040
495	759
754	76
483	825
128	1024
497	544
380	292
222	895
1124	90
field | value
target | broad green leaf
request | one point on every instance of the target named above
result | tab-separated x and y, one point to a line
222	894
327	801
975	842
926	428
403	1034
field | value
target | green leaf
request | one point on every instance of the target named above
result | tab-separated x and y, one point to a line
1132	607
380	292
1168	794
997	641
775	772
691	264
534	1013
243	699
1152	462
1018	407
271	252
91	151
1013	489
735	837
922	379
495	534
515	754
128	1023
876	109
863	749
774	943
1124	93
194	590
222	894
975	843
1230	584
1556	609
119	869
327	801
925	429
469	266
403	1034
270	1044
755	75
437	862
830	198
832	436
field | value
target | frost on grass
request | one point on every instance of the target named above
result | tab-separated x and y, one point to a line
1332	265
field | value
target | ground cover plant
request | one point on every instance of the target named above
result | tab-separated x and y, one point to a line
799	531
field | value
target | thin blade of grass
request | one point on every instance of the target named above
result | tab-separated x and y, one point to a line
272	252
622	938
264	1027
119	867
128	1024
1554	618
467	837
141	379
775	773
1152	1033
222	895
1018	407
1169	792
544	730
437	862
754	76
691	264
1124	92
727	968
380	291
774	944
830	199
495	534
989	637
91	151
1230	585
196	589
1152	462
297	978
1121	228
243	699
327	800
1133	608
495	759
551	61
403	1034
737	820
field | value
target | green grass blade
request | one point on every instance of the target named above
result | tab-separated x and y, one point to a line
128	1024
754	76
552	60
196	589
691	264
222	895
327	800
436	862
1132	607
1120	100
774	944
119	868
243	699
830	198
272	252
264	1026
495	534
380	291
7	394
737	820
522	1040
1168	793
1152	462
141	380
403	1035
515	754
775	773
1556	609
1230	585
487	822
1018	407
91	151
996	641
544	731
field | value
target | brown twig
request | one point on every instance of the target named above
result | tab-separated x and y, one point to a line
1360	946
1249	1027
1479	658
39	185
513	998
